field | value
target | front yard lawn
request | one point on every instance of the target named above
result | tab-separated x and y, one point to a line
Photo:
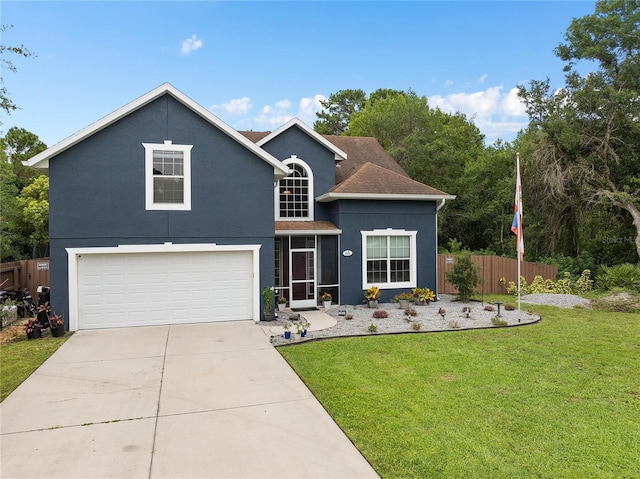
556	399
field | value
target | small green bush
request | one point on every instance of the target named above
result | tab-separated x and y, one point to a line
372	328
464	276
499	322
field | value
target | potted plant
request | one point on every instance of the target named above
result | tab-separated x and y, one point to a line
305	327
44	310
268	296
32	328
423	295
403	299
287	332
57	325
326	299
282	303
372	295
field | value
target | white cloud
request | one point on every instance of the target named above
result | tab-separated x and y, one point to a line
497	114
191	44
483	78
238	106
277	114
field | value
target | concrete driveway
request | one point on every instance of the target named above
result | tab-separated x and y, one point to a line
188	401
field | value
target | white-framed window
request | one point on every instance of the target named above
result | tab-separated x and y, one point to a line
294	193
389	259
167	170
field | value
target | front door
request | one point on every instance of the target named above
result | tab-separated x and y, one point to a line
303	268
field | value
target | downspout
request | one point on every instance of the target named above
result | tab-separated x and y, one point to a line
442	202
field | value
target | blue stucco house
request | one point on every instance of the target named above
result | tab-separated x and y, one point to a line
161	213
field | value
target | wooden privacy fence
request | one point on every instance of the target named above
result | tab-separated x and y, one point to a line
29	274
491	269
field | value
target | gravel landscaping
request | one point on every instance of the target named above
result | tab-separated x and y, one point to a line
427	319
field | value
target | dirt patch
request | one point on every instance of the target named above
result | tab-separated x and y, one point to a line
619	302
13	332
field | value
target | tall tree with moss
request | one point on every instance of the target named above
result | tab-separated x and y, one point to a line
586	136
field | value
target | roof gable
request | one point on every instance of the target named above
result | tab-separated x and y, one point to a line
41	160
339	154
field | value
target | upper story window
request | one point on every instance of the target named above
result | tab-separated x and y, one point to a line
294	193
167	176
389	258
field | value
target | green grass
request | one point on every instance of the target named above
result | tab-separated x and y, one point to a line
19	359
557	399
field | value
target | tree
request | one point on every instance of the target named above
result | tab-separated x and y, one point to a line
5	102
337	109
34	203
20	145
587	135
11	241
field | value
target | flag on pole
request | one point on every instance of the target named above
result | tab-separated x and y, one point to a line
516	226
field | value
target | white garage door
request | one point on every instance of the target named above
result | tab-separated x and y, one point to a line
139	289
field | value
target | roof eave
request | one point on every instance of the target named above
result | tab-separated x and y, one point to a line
328	197
41	160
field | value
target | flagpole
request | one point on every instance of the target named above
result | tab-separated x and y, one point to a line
520	253
516	226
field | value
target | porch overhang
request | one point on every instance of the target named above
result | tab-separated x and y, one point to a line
286	228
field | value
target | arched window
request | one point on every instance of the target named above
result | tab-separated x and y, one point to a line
294	195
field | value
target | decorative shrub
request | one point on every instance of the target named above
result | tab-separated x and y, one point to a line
372	328
416	326
565	285
510	307
423	294
624	276
402	297
488	307
410	312
372	294
380	313
454	324
349	316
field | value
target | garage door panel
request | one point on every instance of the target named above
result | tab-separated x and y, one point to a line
117	290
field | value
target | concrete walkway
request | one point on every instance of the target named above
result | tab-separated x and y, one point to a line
211	400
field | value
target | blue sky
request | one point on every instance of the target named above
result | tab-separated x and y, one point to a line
257	64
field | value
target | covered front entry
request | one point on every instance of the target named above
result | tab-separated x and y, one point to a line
306	266
162	284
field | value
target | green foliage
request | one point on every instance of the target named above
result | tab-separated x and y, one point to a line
464	276
268	294
11	240
34	203
625	276
336	111
372	328
565	285
584	137
575	266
